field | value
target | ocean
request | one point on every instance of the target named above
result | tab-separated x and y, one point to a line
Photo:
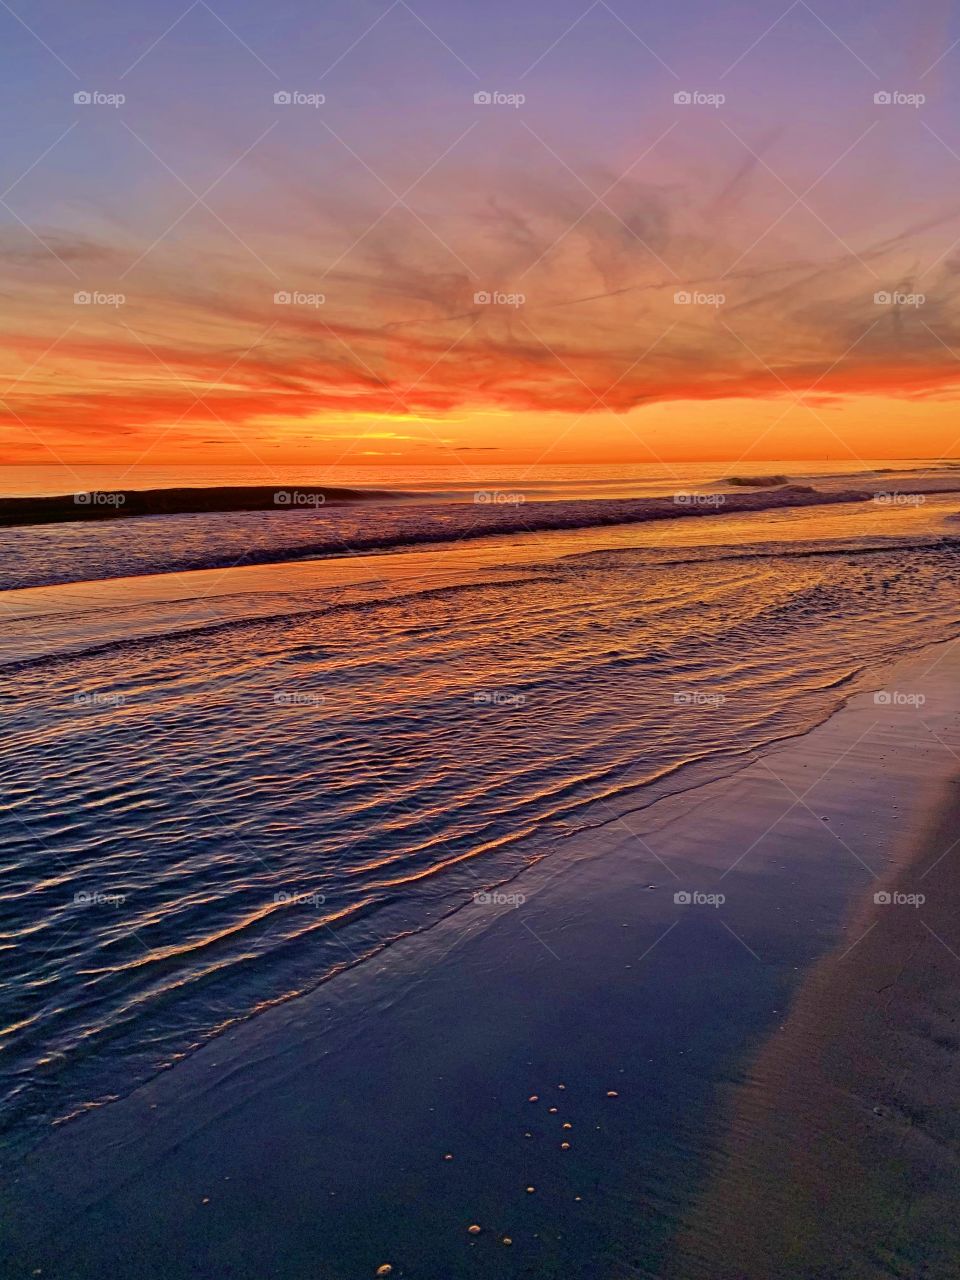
245	751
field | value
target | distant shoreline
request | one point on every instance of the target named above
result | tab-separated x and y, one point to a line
125	504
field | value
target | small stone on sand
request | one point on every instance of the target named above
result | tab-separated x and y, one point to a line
507	1240
530	1190
553	1111
474	1230
448	1156
567	1124
564	1146
533	1098
612	1093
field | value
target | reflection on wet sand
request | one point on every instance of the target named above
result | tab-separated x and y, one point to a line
840	1157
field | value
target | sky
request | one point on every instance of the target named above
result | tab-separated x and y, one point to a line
681	232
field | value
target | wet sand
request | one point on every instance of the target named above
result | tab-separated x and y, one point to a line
313	1141
843	1151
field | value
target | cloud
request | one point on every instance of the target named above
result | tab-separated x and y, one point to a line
779	307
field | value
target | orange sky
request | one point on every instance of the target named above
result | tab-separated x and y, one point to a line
596	275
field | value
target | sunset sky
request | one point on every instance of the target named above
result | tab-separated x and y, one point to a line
186	209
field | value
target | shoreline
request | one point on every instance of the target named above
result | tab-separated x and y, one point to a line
326	1120
848	1125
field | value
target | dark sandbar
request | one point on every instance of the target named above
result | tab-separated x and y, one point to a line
124	504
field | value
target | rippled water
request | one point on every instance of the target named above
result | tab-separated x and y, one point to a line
200	823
